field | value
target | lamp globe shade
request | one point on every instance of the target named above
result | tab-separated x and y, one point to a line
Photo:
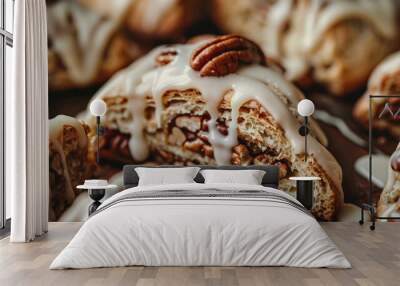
305	107
98	107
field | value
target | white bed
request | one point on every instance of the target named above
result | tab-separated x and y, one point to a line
185	230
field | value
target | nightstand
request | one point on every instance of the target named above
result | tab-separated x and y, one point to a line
96	190
305	190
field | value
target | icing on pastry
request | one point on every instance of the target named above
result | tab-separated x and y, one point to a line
390	200
390	65
79	36
57	123
392	211
152	17
250	83
312	19
383	81
56	126
151	12
395	162
114	8
278	16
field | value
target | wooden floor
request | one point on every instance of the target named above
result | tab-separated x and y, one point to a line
375	257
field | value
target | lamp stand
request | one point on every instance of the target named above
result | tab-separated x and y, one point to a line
303	131
305	138
98	133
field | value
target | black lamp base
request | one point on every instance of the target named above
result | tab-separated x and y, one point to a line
305	193
96	195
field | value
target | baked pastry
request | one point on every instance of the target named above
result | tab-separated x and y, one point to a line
333	43
70	163
385	112
216	101
153	19
85	48
389	202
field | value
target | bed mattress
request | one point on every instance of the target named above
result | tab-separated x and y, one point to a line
201	225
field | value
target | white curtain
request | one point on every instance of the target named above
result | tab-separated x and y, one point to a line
27	172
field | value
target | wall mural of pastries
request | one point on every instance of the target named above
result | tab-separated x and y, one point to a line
384	80
71	161
217	82
317	41
389	201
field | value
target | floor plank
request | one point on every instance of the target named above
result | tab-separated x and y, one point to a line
374	255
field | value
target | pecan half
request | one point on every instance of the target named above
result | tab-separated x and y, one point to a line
165	57
224	55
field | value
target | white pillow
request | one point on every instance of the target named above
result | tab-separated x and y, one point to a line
163	176
248	177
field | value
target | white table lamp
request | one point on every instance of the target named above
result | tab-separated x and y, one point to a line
98	108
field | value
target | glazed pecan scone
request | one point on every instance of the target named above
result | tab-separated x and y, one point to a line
71	162
333	43
84	47
385	112
155	19
389	202
216	101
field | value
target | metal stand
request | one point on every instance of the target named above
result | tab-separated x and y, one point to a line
99	132
370	206
371	210
96	195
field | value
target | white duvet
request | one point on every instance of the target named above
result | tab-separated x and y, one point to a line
200	231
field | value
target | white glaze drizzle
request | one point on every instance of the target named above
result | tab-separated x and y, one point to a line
387	67
151	12
114	8
390	65
391	209
380	14
80	45
56	126
124	83
156	9
341	125
275	79
277	17
250	83
312	19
